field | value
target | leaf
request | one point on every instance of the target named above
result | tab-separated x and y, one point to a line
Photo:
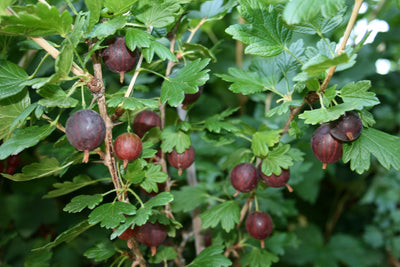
227	214
37	20
278	158
297	11
100	252
159	14
357	95
319	115
284	107
211	257
178	140
164	254
94	7
160	50
80	202
259	258
107	28
110	215
54	96
161	199
12	78
153	176
134	172
185	80
216	125
385	148
278	241
320	25
65	59
3	5
131	103
24	138
188	198
67	235
118	7
194	51
265	35
321	63
264	139
10	109
67	187
213	9
137	38
43	168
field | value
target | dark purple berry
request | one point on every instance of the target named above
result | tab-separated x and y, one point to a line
13	160
191	98
128	147
118	58
276	180
181	160
348	127
144	121
85	130
244	177
259	225
326	148
151	235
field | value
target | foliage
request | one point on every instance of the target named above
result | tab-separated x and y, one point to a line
270	72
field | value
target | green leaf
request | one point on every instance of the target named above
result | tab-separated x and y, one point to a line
258	257
160	50
110	215
284	107
227	214
277	159
100	252
164	254
216	124
264	139
80	202
278	241
265	35
211	257
213	9
357	95
107	28
153	176
67	235
319	115
118	7
94	7
161	199
24	138
12	78
65	59
185	80
10	109
159	14
297	11
131	103
3	5
320	25
385	148
137	38
321	63
134	172
194	51
178	140
70	186
43	168
188	198
54	96
37	20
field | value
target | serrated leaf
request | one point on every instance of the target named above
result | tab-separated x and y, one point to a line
94	7
385	148
131	103
264	139
24	138
357	95
277	159
159	13
284	107
259	258
134	172
216	124
227	214
65	59
54	96
320	25
12	78
67	235
188	198
164	254
10	109
265	35
278	241
213	9
185	80
178	140
107	28
110	215
118	7
70	186
43	168
153	176
100	252
161	199
160	50
321	63
319	115
80	202
211	257
137	38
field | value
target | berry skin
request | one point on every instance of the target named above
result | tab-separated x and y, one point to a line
191	98
85	130
244	177
259	225
128	147
347	128
13	160
127	234
151	235
181	160
276	180
118	58
326	148
144	121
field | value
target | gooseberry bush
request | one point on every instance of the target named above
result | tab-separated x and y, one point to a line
198	133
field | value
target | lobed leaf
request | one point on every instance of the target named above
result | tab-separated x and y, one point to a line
159	13
276	160
227	214
80	202
12	79
211	257
100	252
259	258
54	96
110	215
188	198
178	140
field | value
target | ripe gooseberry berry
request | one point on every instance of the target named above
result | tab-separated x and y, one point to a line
259	226
128	147
276	180
244	177
326	148
151	235
347	128
144	121
181	160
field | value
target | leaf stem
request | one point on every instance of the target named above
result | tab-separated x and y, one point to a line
293	55
195	29
136	196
